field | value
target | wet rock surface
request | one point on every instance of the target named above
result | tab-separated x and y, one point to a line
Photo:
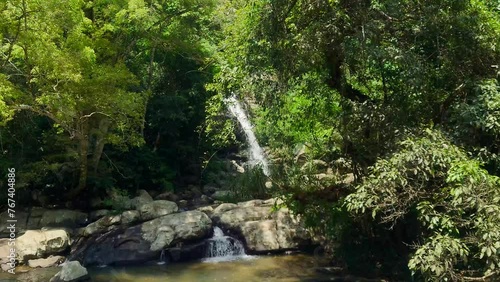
71	271
261	228
143	242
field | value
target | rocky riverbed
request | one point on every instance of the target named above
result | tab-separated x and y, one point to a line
147	228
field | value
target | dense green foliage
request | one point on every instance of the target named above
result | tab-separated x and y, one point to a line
91	80
381	117
403	95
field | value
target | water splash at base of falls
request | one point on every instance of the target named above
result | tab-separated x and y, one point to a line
224	248
257	156
162	258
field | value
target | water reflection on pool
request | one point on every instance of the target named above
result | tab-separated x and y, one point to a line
266	268
245	268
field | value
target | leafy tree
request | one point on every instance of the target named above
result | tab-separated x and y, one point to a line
457	203
52	62
91	66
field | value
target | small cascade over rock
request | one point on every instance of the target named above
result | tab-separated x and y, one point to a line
257	156
163	259
224	248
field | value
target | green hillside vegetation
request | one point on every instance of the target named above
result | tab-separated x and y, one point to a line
399	99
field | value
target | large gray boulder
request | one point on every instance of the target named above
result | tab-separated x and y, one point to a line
71	271
263	229
234	218
145	241
41	243
260	235
156	209
111	222
141	199
38	218
174	228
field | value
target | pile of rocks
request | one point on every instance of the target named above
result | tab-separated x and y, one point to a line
145	229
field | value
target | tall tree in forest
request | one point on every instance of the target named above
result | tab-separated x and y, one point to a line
88	66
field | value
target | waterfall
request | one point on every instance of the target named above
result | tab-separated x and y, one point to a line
162	258
257	156
224	248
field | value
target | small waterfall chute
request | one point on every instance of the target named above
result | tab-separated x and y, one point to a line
162	258
224	248
256	155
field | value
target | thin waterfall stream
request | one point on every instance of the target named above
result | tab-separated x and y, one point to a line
257	156
162	258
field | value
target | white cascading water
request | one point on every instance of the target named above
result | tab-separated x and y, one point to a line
162	258
224	248
257	156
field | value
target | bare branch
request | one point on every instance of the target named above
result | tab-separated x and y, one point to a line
94	113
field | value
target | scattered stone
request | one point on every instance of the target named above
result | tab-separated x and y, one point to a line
238	167
71	271
46	262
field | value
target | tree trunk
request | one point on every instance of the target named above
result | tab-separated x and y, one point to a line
100	142
83	148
